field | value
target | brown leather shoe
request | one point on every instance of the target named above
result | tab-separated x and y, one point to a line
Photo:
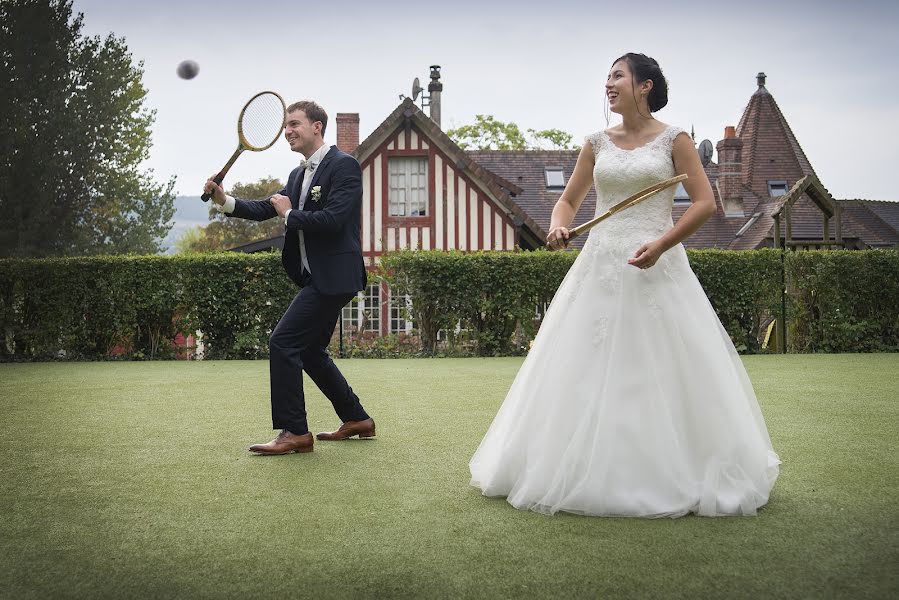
285	443
364	429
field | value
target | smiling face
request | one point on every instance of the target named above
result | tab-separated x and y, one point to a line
625	94
303	135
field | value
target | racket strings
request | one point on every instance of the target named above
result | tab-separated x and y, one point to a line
262	121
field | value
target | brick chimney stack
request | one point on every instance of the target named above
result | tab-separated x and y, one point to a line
347	131
730	172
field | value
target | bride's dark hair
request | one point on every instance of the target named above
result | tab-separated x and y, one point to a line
642	68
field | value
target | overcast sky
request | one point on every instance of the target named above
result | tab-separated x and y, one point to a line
831	66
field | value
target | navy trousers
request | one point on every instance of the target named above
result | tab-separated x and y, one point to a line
299	343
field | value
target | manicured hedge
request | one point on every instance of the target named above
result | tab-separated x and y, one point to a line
87	308
92	308
844	301
744	287
489	292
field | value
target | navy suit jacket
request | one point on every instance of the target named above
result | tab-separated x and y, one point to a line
331	225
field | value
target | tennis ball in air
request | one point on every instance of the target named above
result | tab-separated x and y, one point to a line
188	69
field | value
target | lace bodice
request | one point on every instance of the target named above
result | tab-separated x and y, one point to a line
619	173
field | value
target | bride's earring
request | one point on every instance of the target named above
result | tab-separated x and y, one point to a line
606	111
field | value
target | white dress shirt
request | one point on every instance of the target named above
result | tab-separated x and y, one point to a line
311	165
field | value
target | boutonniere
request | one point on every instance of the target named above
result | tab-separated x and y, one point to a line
317	193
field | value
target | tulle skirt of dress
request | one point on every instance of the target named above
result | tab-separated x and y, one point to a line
631	402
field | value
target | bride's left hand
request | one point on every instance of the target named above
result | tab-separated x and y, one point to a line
647	255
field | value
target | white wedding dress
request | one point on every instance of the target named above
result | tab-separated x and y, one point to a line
632	400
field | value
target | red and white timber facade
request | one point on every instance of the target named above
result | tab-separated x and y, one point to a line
453	203
459	215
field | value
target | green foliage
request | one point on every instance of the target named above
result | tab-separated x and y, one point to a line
73	135
551	139
192	240
844	301
236	300
224	232
82	308
836	304
393	345
489	293
487	133
744	289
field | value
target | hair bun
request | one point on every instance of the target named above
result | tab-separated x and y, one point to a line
645	67
658	95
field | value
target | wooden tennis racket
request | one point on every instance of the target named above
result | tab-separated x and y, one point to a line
626	203
259	126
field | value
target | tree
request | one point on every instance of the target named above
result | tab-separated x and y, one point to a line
73	135
225	232
489	134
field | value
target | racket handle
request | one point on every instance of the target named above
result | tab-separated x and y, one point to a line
571	235
218	180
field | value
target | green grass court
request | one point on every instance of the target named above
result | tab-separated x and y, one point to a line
124	480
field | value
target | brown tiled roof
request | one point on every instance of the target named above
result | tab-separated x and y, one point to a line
807	224
878	219
771	151
717	232
887	211
761	229
526	169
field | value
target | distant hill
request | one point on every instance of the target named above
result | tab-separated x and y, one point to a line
190	211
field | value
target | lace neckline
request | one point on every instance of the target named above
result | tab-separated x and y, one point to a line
646	145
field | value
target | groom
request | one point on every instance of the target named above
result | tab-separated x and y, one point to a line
321	208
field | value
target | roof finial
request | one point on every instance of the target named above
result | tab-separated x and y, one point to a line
760	78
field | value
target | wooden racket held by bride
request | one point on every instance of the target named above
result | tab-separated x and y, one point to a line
259	126
626	203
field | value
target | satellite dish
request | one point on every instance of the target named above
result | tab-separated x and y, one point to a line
705	152
416	89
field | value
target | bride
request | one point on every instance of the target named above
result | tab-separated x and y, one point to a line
632	400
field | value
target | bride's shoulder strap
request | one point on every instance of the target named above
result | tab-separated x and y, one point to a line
670	134
595	140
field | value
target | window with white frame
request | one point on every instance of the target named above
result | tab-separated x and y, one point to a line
400	313
365	310
372	307
351	314
408	191
555	178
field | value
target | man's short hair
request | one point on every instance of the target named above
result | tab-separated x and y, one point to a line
313	111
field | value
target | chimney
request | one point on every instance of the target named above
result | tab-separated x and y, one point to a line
760	80
347	131
434	89
730	172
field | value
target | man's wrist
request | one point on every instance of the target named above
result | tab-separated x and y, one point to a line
227	206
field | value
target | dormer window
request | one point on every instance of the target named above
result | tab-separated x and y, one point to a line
777	188
555	178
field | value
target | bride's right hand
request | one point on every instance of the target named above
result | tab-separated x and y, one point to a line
557	238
